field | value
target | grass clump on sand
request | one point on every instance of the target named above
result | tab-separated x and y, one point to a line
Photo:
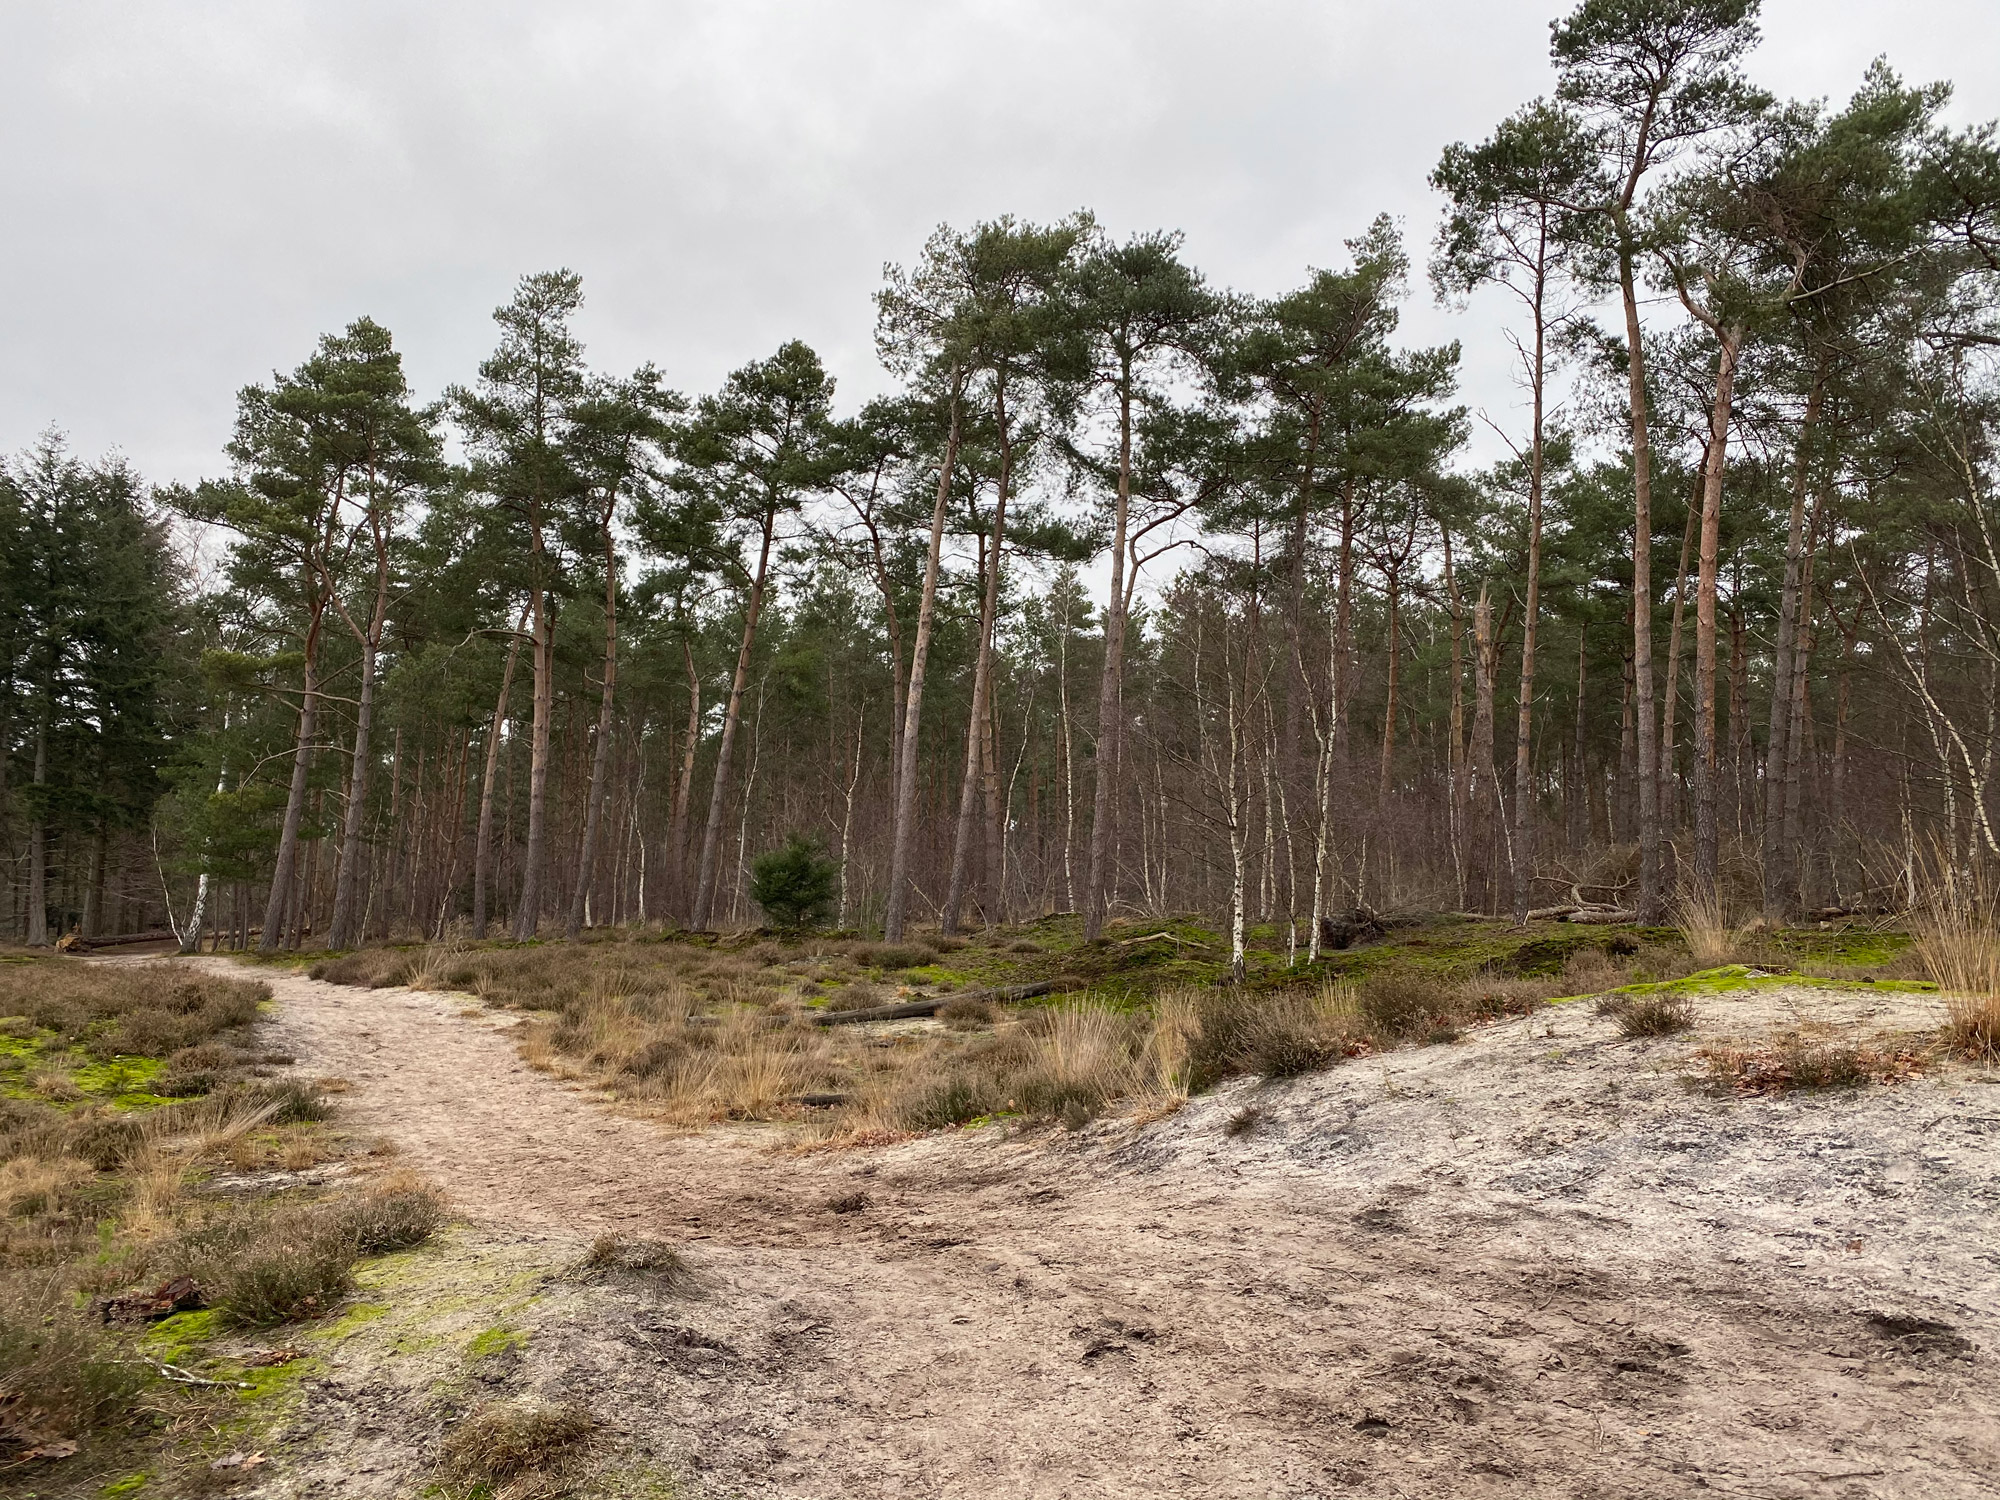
660	1262
515	1448
1960	950
105	1226
1649	1015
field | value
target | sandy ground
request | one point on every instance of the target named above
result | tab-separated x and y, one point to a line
1534	1263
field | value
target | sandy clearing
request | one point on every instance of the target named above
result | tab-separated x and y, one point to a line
1529	1264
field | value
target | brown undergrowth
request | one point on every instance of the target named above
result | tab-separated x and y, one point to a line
1798	1061
698	1032
118	1211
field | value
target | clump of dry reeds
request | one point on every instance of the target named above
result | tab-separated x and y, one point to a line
1954	938
1712	939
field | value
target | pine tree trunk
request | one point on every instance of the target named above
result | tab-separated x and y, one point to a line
711	838
1576	791
1707	858
1777	889
906	770
284	872
38	838
1651	902
1483	889
677	817
1524	763
1110	687
1670	802
978	727
528	914
482	847
600	761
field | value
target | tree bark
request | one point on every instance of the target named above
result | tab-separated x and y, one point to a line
600	761
1524	770
284	872
1110	694
978	726
1670	704
677	817
1651	903
528	914
1777	889
345	929
482	846
705	875
906	770
1483	890
1706	832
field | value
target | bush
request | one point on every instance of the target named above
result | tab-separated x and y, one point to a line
1799	1063
297	1102
893	955
400	1215
60	1373
503	1441
1409	1007
964	1013
796	885
948	1102
1649	1015
294	1265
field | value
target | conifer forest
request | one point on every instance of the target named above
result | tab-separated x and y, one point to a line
1136	596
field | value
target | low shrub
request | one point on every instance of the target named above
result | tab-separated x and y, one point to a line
1797	1062
504	1441
295	1101
1649	1015
1972	1026
1409	1007
401	1214
892	956
294	1264
61	1373
157	1009
963	1013
860	995
946	1102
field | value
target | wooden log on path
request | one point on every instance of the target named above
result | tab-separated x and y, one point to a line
929	1006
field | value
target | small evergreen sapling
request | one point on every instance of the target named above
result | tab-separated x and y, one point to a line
796	885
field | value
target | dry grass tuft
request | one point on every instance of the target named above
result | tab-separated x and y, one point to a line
1712	939
1960	951
653	1258
515	1449
1649	1015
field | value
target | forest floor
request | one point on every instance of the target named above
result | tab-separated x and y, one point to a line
1541	1260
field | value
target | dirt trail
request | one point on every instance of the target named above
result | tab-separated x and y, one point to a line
1529	1264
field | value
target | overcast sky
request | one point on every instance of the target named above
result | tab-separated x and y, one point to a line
193	192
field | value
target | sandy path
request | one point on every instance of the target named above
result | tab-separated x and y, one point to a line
1468	1271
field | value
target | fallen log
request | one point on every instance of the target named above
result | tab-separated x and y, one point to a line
1553	913
1604	916
76	943
1154	937
931	1004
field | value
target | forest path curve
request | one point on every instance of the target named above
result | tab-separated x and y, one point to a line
1125	1315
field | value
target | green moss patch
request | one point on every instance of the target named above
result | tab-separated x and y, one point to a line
497	1340
1743	977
